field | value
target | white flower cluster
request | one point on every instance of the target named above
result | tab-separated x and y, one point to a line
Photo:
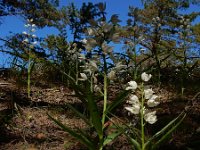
148	97
29	35
90	71
89	67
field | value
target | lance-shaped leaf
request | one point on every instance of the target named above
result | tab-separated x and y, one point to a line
78	113
136	145
112	136
80	137
117	101
166	131
94	114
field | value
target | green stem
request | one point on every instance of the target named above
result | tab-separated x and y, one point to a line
91	84
77	72
101	139
29	75
101	147
105	91
142	118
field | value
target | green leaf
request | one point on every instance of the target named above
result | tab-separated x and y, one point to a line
117	101
112	136
79	114
94	113
135	144
88	136
80	137
170	127
164	137
79	93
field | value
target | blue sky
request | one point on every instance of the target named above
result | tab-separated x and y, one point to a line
15	24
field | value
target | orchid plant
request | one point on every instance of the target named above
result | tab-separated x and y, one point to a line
29	42
91	91
142	106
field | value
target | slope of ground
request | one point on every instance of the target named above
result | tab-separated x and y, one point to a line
25	124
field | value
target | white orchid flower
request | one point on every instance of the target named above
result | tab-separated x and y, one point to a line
33	30
33	25
152	102
27	25
134	109
132	85
34	36
150	117
90	31
133	99
34	43
148	93
30	20
97	88
25	40
146	77
25	33
84	41
93	65
111	75
83	77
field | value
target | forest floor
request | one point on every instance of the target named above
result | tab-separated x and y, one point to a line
24	123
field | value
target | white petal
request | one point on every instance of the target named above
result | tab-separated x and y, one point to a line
34	43
154	97
84	41
129	88
93	65
34	36
32	30
150	117
97	88
111	75
132	85
152	103
148	93
33	25
25	33
25	40
83	77
146	77
27	25
135	109
90	31
134	98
